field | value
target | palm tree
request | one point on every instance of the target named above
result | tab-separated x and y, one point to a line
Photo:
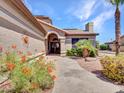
117	3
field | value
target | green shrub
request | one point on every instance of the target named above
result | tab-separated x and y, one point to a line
113	68
74	52
104	47
93	52
78	51
81	43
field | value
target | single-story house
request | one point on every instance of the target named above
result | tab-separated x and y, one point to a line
112	44
36	33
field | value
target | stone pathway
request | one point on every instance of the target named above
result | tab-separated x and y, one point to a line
71	78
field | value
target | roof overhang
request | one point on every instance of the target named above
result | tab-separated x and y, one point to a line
20	5
51	26
83	34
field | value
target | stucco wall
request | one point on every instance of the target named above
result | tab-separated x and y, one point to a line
9	37
14	25
68	43
12	14
112	47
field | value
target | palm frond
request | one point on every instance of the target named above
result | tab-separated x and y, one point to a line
116	2
113	2
122	1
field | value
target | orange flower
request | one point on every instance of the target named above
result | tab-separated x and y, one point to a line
26	70
34	85
14	46
29	53
49	69
23	58
54	77
10	66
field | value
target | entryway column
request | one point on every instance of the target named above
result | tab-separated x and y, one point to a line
63	48
46	46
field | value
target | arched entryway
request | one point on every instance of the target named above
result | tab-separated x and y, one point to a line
53	44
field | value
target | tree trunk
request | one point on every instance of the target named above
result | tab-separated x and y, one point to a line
117	31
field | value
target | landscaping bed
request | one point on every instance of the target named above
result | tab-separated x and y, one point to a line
20	73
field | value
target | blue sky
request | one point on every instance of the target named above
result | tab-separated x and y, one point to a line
76	13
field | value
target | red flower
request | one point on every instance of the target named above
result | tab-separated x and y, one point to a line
10	66
14	46
54	77
23	58
29	53
49	69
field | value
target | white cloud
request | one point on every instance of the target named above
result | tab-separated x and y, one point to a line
84	10
87	8
97	11
102	18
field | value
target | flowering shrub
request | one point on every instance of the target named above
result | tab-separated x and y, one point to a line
25	75
113	68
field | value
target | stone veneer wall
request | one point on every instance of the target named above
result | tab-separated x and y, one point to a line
14	26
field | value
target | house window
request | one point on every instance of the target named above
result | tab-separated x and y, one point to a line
75	40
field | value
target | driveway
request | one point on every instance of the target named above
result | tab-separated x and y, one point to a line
71	78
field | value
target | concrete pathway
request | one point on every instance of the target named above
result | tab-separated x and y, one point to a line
71	78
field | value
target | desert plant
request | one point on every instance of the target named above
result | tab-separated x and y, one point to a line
26	76
113	68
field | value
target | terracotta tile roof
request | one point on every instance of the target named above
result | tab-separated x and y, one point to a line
79	32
